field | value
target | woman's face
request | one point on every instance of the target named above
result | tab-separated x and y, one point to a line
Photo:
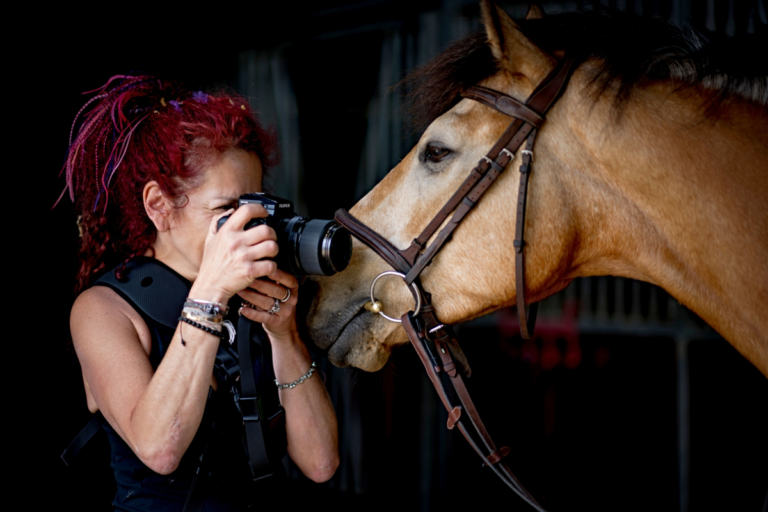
236	172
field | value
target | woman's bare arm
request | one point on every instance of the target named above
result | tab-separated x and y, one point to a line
310	419
156	413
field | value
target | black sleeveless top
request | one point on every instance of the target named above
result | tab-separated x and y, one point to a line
228	485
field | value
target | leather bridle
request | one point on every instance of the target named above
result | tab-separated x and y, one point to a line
423	326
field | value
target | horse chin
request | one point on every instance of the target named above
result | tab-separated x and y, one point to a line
356	345
349	333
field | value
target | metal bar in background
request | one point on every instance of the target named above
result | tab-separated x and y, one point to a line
683	420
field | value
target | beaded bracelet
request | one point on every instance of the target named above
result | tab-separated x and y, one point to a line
299	380
218	334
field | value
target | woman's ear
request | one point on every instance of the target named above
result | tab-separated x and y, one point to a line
157	206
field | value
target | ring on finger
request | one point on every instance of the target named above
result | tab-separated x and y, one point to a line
287	295
275	307
245	304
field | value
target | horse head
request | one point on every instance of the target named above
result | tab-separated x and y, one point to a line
471	275
603	198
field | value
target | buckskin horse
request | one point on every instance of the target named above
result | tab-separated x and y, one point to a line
651	163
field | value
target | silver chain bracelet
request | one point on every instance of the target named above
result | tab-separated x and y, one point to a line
299	380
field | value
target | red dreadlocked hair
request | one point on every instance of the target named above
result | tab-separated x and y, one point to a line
139	129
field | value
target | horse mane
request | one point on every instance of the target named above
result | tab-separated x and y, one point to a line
630	51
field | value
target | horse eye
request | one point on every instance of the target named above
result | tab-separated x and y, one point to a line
436	153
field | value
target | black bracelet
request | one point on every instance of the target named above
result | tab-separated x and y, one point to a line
209	330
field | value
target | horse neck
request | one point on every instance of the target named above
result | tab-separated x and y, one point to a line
677	199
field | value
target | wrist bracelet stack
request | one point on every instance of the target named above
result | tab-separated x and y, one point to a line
197	316
209	317
209	308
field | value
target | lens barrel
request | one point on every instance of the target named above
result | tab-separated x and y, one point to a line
324	247
307	246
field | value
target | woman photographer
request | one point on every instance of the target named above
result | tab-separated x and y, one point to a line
151	168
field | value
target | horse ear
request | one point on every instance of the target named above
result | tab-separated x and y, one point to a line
535	11
514	52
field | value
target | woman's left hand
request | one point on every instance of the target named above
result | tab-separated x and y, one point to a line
266	294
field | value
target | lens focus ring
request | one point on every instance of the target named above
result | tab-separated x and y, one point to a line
324	248
310	245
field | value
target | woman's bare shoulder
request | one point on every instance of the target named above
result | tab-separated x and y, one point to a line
100	309
112	343
99	303
97	297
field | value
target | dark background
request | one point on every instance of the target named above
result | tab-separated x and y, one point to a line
603	435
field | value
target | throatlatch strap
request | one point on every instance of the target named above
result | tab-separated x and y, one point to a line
526	314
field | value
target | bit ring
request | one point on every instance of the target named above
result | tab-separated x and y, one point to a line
401	275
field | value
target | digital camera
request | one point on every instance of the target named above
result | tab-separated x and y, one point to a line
306	246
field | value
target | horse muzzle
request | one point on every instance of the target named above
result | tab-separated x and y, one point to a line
350	333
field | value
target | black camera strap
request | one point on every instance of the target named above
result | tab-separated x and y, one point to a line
254	420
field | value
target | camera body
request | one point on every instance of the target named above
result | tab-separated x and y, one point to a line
306	246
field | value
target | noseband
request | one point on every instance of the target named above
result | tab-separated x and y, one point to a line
422	325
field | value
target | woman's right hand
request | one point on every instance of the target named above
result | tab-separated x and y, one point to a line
233	257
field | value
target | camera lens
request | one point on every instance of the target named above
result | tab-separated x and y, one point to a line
337	247
324	248
307	246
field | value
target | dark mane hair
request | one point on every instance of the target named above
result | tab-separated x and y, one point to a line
632	51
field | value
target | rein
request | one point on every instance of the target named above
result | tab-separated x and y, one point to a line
445	356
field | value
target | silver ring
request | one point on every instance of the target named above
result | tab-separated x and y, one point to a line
275	307
287	295
244	304
401	275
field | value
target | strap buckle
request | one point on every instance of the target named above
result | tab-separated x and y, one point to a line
249	408
436	328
